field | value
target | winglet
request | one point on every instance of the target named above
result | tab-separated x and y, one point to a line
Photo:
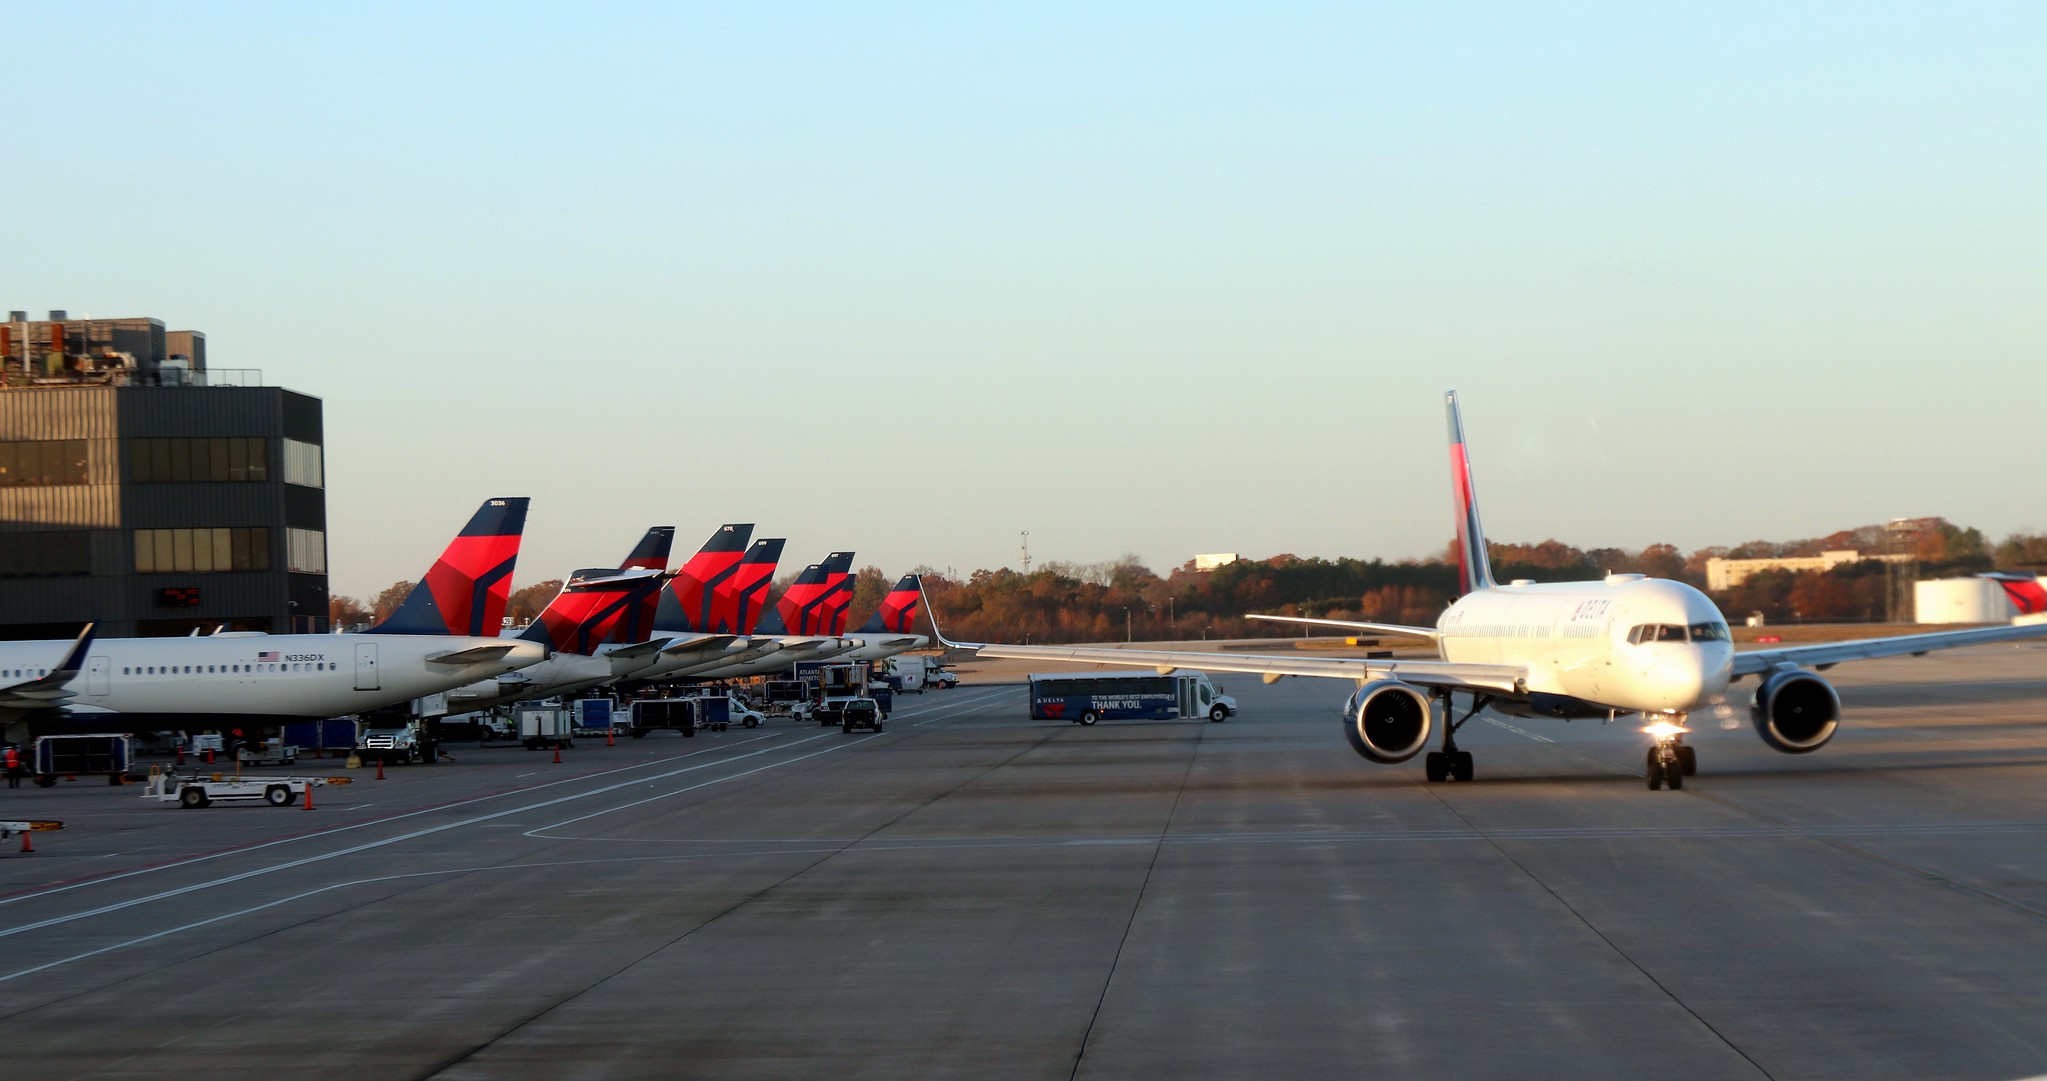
74	661
1474	571
931	613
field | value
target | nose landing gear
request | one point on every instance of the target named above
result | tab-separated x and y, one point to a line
1670	761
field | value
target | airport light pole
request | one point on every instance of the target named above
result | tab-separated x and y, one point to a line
1126	626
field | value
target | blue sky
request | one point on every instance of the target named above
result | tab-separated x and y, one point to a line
1164	279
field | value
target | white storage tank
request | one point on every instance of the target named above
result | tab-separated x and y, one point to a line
1962	600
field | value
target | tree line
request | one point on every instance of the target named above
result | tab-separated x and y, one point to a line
1123	599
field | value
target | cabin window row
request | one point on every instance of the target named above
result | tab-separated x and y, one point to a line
227	669
160	551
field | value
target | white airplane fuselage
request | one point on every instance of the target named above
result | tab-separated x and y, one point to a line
792	650
1580	640
264	676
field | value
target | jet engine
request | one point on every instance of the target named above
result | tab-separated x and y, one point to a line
1387	721
1795	712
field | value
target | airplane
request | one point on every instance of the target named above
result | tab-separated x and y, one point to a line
892	628
800	622
575	624
443	635
1656	649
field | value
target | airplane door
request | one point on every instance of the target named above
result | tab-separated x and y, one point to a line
366	667
97	670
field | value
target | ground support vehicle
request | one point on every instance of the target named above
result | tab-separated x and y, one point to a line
545	727
594	716
391	746
674	714
780	697
9	828
204	790
1087	697
861	713
837	684
334	734
70	756
269	752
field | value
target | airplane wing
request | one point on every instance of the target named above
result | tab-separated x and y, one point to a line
50	692
472	655
1828	654
1500	678
1429	633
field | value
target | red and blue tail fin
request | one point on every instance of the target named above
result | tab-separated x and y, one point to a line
690	604
2028	592
749	592
1474	571
466	590
590	607
807	605
651	554
836	602
898	611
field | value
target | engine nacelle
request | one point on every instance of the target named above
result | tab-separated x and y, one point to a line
1795	712
1387	721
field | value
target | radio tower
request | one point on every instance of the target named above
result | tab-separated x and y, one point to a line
1027	551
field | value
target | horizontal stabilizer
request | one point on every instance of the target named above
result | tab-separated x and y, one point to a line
710	643
472	655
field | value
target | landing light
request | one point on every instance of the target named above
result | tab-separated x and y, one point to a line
1664	729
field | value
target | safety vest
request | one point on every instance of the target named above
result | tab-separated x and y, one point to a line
13	758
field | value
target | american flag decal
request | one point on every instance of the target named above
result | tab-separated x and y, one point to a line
266	656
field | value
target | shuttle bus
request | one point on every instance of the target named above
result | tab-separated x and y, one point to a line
1087	697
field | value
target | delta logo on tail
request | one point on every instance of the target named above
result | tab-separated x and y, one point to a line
749	593
1474	571
809	603
2028	592
651	554
898	611
589	609
466	591
692	603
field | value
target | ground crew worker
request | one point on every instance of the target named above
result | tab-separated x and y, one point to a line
11	759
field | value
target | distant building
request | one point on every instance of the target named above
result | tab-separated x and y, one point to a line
1722	574
1214	560
135	495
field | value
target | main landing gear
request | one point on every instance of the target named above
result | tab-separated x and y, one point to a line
1451	763
1670	761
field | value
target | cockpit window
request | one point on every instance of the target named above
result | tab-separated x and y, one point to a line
1709	632
1662	632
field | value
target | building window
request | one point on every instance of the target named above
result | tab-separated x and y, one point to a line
219	458
166	551
58	552
302	464
42	463
305	550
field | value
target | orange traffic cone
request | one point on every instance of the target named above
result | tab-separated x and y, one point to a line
557	754
181	754
380	767
25	845
608	733
309	795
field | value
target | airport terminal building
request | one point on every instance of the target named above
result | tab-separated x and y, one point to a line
139	493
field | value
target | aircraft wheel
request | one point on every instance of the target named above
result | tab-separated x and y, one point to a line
1089	717
1655	775
1688	757
1436	766
1675	775
277	795
1460	765
193	797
